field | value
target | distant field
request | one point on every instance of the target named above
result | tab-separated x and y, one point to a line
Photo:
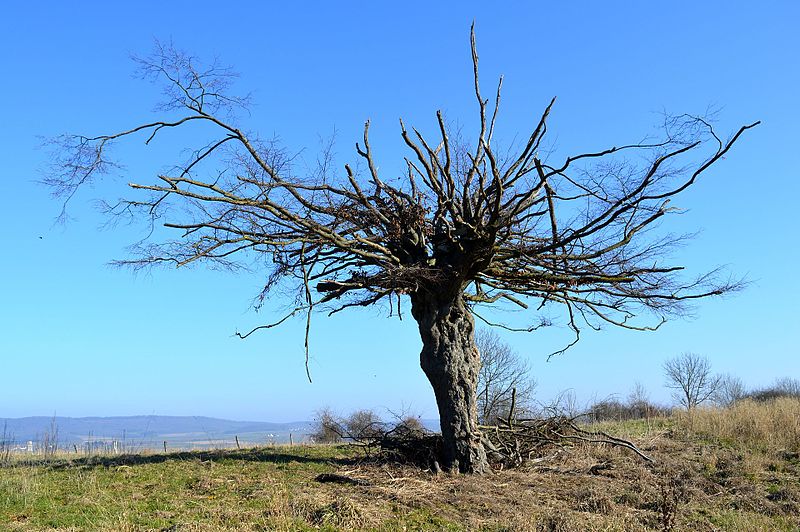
735	469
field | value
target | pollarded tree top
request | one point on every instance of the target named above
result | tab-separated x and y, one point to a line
468	219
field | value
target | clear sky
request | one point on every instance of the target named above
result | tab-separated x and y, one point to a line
79	338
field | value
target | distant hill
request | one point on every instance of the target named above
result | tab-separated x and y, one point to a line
137	432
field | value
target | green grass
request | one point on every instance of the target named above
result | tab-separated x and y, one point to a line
214	490
705	478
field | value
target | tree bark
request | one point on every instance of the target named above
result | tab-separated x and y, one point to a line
451	362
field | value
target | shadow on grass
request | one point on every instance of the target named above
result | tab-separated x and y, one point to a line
274	456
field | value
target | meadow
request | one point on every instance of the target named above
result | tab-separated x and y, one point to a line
735	468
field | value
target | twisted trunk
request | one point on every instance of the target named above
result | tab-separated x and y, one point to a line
451	362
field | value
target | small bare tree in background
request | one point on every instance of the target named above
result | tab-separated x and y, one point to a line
564	404
689	375
730	390
639	402
503	378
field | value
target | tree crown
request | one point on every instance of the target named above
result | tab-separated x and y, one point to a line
468	220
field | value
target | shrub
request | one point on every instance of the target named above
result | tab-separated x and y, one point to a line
730	390
327	428
783	387
409	426
615	410
363	424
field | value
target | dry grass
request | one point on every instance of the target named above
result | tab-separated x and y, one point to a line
763	426
707	477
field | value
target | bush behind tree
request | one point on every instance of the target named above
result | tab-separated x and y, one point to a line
363	424
327	427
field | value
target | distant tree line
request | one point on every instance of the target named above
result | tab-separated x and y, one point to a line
690	377
506	388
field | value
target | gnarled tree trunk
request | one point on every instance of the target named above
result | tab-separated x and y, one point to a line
451	362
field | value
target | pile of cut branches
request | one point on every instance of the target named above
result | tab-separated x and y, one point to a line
417	447
510	443
513	443
402	443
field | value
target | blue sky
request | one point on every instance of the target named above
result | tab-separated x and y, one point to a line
78	337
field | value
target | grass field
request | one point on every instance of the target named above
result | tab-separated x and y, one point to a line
735	469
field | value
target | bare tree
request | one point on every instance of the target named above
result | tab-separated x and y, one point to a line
638	395
470	223
789	386
639	404
730	390
689	375
565	404
504	378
